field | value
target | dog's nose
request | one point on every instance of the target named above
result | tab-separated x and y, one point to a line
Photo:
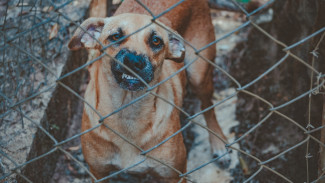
134	62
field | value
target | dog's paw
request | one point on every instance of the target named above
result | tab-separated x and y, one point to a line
223	158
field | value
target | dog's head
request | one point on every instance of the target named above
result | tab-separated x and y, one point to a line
143	52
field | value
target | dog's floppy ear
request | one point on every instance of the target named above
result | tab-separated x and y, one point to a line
176	47
82	39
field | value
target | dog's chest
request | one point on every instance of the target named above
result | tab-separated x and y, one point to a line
139	125
144	165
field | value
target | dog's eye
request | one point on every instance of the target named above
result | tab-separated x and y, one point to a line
156	42
115	36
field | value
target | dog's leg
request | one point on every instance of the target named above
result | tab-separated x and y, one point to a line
203	88
101	174
204	93
200	33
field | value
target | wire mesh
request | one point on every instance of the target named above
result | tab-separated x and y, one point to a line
29	56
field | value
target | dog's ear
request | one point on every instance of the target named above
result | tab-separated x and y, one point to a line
176	47
84	36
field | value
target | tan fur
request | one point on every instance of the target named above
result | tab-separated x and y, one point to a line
150	120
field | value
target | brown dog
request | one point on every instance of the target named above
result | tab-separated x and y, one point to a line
151	54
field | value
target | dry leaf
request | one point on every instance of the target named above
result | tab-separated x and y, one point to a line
244	166
74	148
54	31
47	9
72	169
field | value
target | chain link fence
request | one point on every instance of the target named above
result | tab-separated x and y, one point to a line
33	40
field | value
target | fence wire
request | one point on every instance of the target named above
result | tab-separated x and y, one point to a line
27	51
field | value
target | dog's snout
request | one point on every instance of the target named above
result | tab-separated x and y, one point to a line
134	62
138	63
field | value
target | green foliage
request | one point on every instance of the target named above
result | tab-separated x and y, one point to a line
54	126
